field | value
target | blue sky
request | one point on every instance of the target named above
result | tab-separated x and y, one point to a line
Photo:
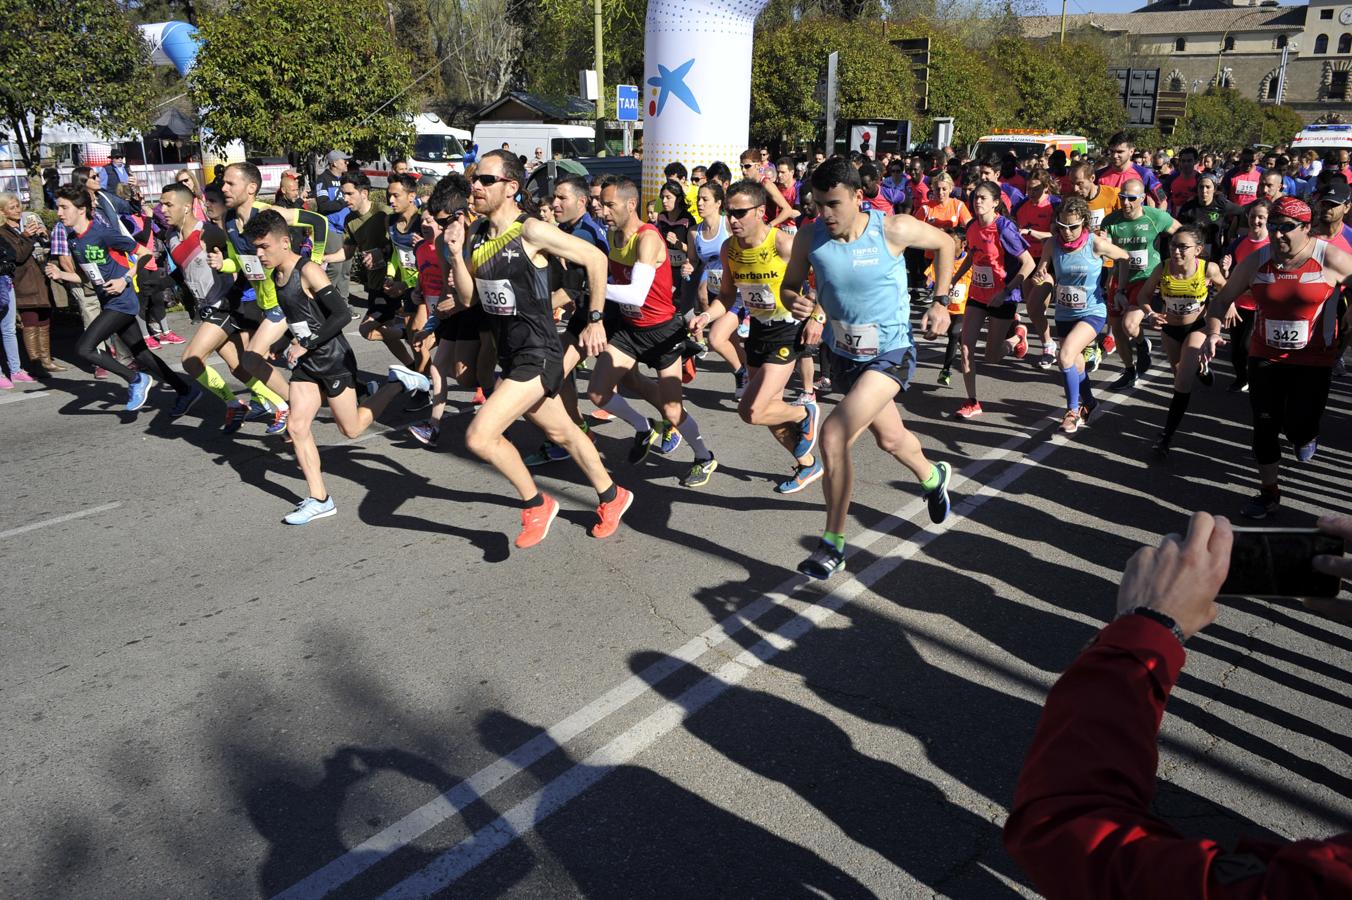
1053	7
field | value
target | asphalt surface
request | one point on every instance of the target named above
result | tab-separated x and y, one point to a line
203	702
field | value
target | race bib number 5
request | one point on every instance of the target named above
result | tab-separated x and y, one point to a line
1287	335
855	339
92	272
497	296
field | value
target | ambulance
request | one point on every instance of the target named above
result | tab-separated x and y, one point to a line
1002	143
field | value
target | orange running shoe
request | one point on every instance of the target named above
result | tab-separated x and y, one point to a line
608	514
688	370
479	397
600	415
535	522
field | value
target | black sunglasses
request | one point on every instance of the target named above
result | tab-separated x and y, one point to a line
736	213
1283	227
489	180
1132	198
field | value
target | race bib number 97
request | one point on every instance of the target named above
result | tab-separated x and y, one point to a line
856	340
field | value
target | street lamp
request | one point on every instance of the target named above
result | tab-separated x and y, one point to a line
1226	33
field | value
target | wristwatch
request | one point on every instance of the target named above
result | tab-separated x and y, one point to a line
1156	616
594	316
819	317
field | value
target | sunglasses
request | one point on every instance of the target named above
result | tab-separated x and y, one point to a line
1069	226
187	181
736	213
1132	198
1182	248
489	180
1283	227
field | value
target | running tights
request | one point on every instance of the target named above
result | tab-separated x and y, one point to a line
110	323
1239	344
954	341
1285	398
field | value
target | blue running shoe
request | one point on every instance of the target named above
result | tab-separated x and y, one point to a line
138	391
802	477
258	410
185	401
310	509
411	380
937	499
1306	452
278	424
549	452
807	431
824	562
671	439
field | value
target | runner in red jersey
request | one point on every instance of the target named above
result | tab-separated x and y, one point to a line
1034	218
1241	183
1121	169
1294	343
1241	323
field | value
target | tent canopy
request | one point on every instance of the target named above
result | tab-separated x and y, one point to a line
172	125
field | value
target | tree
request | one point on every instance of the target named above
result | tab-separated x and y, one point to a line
1096	107
1279	124
1220	119
873	80
566	26
313	87
77	61
961	84
480	48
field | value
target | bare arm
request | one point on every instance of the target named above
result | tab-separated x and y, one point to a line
786	211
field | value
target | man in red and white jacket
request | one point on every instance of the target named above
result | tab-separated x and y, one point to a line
1081	824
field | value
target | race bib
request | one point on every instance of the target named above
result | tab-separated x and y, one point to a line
678	257
1246	188
983	276
1072	296
1096	219
757	296
301	330
854	339
957	294
253	269
1138	260
497	296
714	280
92	272
1287	335
1181	306
406	259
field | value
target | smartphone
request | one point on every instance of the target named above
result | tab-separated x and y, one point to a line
1278	562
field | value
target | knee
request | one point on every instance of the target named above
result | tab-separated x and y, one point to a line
890	444
750	412
298	428
1065	359
479	442
833	439
600	396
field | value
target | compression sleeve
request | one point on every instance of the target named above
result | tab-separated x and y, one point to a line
636	291
319	232
336	313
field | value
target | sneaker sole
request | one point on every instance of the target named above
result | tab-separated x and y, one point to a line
322	515
811	479
628	503
544	534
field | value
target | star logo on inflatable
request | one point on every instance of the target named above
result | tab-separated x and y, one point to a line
672	81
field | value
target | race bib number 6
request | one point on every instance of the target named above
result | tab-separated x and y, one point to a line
1287	335
253	268
497	296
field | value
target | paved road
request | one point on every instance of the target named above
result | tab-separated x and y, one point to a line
206	703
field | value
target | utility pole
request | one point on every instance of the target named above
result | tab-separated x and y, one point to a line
831	62
1063	22
600	64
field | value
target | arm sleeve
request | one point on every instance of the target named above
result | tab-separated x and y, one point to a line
634	293
336	313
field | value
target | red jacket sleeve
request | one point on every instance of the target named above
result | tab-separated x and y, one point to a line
1081	823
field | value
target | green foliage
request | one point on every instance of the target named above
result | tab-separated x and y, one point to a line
566	26
874	81
1279	124
1096	108
79	61
311	87
1221	119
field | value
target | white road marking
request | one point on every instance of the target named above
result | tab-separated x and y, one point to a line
473	850
93	510
26	395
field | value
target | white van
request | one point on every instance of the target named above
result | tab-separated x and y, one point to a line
438	150
1322	138
567	141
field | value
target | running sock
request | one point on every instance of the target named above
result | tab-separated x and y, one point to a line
1178	406
262	392
834	539
1073	382
689	430
931	481
618	406
537	500
212	381
609	494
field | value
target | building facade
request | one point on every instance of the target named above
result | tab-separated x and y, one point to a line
1197	44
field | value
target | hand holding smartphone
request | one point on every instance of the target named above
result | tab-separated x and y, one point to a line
1280	562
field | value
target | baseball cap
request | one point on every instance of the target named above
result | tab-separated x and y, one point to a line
1291	208
1335	192
335	155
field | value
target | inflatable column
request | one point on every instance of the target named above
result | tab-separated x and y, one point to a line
171	44
696	91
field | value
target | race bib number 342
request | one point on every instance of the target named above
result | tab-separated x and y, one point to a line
1287	335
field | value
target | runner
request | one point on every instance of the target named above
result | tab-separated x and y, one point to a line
502	264
1185	282
1121	169
221	329
1241	324
102	255
447	203
1294	340
1212	212
1136	228
401	273
754	261
957	302
1034	218
868	338
1181	185
648	330
708	245
321	360
1075	257
998	258
1241	183
753	168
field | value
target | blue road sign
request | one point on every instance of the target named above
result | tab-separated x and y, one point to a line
626	102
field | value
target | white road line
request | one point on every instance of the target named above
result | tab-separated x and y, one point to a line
398	835
26	395
93	510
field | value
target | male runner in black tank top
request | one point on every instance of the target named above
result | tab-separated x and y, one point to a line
502	265
321	360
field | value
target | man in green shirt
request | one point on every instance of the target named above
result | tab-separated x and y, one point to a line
1136	228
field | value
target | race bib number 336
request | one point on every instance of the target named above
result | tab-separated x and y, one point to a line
497	296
